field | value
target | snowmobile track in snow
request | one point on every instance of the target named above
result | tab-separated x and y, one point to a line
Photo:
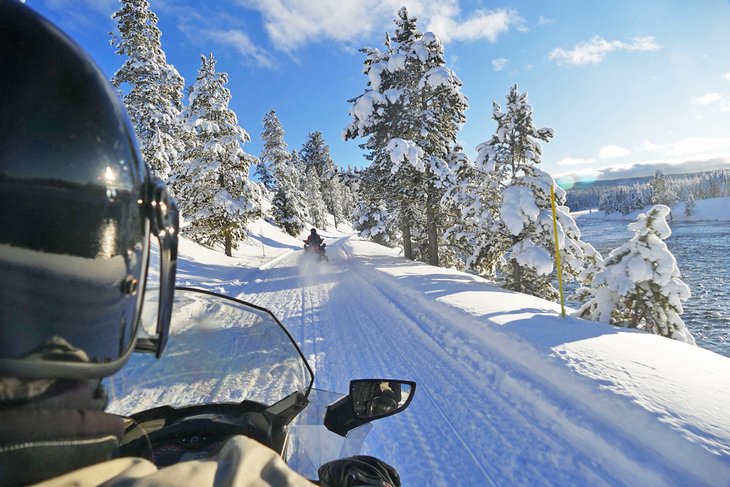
475	394
352	321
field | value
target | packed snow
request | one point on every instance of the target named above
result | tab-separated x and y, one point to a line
509	393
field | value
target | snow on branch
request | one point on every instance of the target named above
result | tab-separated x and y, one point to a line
518	208
401	151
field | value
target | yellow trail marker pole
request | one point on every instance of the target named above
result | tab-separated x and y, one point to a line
557	250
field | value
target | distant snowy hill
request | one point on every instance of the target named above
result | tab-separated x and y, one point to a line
509	393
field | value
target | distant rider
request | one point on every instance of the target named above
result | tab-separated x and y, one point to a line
314	240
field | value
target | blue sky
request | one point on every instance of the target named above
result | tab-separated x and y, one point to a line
628	86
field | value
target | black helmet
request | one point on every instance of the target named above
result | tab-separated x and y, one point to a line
77	206
360	470
313	231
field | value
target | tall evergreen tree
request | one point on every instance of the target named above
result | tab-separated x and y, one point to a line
316	156
410	114
289	205
154	88
317	208
215	194
663	193
506	226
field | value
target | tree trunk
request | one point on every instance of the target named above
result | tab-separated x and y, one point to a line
433	238
228	244
517	275
407	246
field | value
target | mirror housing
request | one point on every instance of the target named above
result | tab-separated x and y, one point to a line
369	399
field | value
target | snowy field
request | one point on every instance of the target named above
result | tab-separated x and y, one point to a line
509	393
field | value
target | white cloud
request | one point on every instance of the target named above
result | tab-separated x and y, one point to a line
726	76
483	24
544	21
241	43
681	156
499	63
707	99
596	50
713	99
293	23
571	161
648	168
612	151
698	147
648	146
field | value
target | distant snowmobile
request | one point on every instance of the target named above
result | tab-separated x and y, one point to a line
276	388
314	245
317	250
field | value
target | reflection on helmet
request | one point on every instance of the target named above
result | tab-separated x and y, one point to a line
74	213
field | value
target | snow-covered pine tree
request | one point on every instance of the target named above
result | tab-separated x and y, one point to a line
592	265
154	88
290	207
317	208
663	193
689	204
214	192
275	149
640	286
410	114
475	233
316	155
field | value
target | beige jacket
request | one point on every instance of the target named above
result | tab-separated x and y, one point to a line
241	462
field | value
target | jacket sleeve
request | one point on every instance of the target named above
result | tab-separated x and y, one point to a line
241	462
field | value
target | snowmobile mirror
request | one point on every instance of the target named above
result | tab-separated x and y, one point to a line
376	398
369	399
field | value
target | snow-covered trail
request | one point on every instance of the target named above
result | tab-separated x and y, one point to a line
508	392
479	417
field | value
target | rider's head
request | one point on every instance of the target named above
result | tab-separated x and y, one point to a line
77	207
313	231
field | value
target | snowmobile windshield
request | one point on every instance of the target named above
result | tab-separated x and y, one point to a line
220	350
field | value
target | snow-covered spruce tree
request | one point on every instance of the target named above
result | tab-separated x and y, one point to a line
475	233
504	199
689	204
290	208
215	195
275	149
592	264
663	193
317	209
410	114
640	286
374	222
349	190
316	155
154	88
